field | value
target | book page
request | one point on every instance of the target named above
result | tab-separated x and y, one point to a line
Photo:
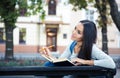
51	59
60	59
48	58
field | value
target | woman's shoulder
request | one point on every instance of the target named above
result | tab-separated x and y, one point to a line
97	52
96	49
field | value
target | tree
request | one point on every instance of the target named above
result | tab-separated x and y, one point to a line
9	14
114	13
101	5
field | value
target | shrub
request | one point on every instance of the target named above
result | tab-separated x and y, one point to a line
21	62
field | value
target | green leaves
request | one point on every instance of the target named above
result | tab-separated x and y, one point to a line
35	7
78	4
8	12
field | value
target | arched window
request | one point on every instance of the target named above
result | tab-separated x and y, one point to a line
52	7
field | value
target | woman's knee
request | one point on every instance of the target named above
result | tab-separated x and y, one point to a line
49	64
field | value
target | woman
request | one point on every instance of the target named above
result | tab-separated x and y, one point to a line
83	51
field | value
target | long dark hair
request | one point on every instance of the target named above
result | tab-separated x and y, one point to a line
89	37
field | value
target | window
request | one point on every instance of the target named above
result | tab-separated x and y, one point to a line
64	36
22	7
52	7
90	15
2	35
22	12
22	36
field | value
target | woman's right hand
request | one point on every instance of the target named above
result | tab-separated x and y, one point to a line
45	51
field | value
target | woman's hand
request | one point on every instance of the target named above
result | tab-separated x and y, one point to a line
45	51
78	61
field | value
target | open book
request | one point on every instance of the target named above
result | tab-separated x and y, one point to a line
59	62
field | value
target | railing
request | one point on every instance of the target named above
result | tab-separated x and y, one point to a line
48	71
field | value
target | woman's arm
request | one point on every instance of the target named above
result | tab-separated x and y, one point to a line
102	59
78	61
99	58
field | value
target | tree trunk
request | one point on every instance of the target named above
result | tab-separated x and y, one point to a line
114	13
104	39
9	18
104	27
102	10
9	41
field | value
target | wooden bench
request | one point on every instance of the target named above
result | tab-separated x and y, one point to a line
64	70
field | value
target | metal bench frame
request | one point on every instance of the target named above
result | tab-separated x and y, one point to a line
64	70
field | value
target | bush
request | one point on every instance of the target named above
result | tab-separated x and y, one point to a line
21	62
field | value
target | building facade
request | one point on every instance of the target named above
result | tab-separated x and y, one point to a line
31	33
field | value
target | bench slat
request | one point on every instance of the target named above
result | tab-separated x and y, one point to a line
64	70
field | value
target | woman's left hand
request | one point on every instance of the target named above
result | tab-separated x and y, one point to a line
78	61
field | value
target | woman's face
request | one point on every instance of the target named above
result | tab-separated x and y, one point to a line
77	33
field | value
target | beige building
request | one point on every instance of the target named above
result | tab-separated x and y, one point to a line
31	33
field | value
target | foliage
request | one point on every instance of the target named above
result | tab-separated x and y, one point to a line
34	7
8	12
10	9
21	62
104	10
78	4
82	4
